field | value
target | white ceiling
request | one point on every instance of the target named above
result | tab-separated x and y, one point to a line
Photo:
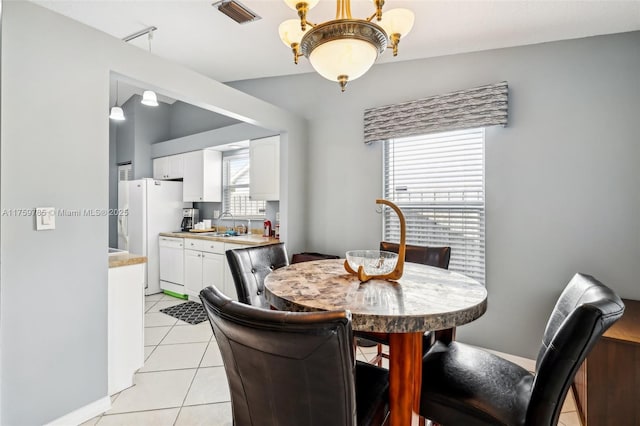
195	34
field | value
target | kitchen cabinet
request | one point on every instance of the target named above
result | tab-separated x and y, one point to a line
204	263
170	167
264	172
202	176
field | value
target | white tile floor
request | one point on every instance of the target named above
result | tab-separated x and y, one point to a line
183	382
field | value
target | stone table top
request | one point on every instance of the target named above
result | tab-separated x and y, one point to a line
425	298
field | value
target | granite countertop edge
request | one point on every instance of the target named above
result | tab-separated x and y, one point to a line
254	240
126	259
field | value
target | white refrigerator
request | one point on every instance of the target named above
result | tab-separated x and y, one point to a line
150	207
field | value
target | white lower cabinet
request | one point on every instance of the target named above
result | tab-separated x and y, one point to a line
192	273
212	270
205	264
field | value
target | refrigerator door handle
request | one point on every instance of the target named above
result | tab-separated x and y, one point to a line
123	225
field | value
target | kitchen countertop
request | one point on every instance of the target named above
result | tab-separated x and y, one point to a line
125	259
248	239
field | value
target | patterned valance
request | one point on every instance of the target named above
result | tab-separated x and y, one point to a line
466	109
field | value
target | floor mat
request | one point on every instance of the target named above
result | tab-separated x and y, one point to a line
191	312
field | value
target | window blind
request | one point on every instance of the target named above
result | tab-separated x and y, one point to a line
438	182
466	109
236	199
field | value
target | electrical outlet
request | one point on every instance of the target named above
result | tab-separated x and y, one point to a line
216	214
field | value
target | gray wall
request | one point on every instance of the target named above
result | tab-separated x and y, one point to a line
125	134
152	126
113	185
55	152
215	137
187	120
561	180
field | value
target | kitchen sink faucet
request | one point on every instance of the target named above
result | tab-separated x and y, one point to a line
223	214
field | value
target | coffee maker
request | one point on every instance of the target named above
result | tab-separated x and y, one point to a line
189	218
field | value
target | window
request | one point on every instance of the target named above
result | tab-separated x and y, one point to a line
438	182
235	181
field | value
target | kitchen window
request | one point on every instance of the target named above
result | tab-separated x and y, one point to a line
235	181
438	182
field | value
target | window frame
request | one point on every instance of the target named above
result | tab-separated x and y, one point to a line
226	187
447	220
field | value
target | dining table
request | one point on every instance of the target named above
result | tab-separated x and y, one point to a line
424	299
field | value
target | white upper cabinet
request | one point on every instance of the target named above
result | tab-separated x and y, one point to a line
202	176
171	167
264	157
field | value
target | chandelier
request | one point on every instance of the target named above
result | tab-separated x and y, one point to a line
344	48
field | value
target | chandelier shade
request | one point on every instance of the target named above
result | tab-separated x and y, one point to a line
290	32
344	49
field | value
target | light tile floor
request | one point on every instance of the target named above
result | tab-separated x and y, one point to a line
183	382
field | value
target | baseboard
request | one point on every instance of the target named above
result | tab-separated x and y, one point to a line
83	414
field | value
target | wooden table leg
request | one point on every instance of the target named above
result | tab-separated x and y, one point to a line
405	377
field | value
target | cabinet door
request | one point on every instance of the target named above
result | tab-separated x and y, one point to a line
202	176
212	176
175	166
264	157
192	272
213	271
160	168
193	176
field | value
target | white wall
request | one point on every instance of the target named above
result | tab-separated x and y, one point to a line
55	152
561	180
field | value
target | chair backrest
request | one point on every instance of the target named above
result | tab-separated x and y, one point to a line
432	256
249	266
585	310
284	368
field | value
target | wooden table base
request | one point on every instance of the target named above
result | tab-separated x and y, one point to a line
405	377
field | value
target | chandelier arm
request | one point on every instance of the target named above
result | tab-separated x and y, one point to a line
370	18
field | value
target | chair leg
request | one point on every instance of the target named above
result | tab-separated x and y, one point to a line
379	356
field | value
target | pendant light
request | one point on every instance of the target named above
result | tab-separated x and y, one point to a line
116	112
149	97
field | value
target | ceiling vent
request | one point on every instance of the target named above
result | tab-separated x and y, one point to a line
236	11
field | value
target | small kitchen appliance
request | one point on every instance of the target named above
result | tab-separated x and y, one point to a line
267	228
189	219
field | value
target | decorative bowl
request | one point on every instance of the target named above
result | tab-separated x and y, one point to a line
374	262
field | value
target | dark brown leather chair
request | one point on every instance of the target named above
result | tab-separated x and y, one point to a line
249	266
294	368
432	256
463	385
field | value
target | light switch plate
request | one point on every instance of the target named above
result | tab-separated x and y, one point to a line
45	218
